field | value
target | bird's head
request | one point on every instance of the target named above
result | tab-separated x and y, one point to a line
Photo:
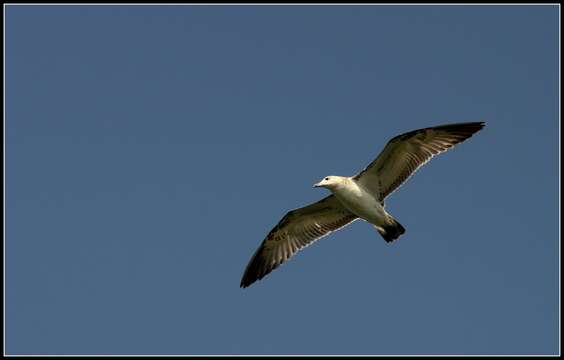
329	182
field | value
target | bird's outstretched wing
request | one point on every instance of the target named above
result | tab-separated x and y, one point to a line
405	153
297	229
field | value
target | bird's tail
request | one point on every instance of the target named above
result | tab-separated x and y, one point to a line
391	230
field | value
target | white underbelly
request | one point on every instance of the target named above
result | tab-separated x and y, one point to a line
362	204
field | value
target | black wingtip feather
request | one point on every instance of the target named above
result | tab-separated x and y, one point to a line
257	269
467	128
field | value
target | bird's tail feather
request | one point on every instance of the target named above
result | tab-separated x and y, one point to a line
392	230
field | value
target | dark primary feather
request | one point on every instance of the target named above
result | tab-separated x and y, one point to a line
405	153
297	229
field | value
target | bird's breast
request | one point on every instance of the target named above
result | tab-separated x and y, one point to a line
360	202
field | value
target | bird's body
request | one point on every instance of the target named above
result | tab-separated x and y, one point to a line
360	201
356	197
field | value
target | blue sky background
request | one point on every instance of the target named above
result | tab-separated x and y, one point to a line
149	149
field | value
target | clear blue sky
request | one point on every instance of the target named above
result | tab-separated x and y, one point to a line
149	149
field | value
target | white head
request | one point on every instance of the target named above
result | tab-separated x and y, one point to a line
330	182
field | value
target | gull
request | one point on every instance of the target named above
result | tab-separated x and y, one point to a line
356	197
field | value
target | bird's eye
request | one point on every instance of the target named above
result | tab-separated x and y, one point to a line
326	179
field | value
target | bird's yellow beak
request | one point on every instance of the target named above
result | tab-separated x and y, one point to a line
317	185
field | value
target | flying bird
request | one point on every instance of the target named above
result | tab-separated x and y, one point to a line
356	197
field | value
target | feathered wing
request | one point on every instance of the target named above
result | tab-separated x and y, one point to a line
405	153
297	229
